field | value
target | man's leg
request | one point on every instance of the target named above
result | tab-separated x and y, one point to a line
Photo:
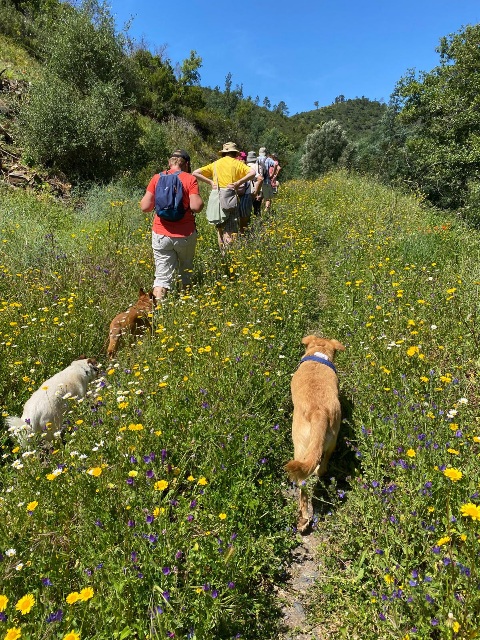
165	265
185	249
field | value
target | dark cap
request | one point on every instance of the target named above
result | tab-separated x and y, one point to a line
181	153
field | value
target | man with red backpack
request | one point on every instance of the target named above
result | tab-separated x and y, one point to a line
175	197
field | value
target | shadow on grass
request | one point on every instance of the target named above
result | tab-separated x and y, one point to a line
332	489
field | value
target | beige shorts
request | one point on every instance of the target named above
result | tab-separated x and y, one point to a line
267	191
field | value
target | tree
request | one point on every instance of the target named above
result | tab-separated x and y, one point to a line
77	116
158	92
340	98
189	74
281	108
315	104
323	149
266	103
441	109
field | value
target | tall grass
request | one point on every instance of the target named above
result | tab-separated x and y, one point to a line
161	514
164	502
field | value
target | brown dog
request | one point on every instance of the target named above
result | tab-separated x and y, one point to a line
316	415
131	322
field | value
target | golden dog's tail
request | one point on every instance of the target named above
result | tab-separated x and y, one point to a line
298	471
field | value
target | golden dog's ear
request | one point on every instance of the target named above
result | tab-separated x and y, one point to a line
308	339
150	295
338	346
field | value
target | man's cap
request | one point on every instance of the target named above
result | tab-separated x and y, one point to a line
181	153
252	156
229	147
263	151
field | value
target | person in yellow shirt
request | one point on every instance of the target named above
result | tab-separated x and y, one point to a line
229	173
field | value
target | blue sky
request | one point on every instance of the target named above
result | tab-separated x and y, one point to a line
300	52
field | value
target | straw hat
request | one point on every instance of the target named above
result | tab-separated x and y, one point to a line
229	147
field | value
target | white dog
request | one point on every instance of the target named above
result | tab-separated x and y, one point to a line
45	409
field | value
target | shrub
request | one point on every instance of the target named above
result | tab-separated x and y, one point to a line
323	149
86	136
77	118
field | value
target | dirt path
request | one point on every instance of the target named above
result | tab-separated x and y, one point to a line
303	572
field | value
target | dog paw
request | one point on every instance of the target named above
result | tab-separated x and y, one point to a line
303	525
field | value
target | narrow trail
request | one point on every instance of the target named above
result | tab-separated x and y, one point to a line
303	571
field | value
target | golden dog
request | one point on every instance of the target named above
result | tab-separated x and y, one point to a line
131	322
316	415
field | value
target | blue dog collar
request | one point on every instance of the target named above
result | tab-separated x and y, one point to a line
320	360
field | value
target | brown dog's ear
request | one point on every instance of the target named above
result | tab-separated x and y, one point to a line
150	295
141	292
338	346
308	339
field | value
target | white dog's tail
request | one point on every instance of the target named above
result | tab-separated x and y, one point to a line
17	427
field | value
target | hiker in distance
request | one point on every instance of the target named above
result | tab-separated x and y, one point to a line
226	175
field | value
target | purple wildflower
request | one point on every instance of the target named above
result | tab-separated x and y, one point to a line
55	617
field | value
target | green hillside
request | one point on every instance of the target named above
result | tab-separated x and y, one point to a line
359	117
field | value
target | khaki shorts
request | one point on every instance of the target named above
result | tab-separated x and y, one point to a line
173	255
267	191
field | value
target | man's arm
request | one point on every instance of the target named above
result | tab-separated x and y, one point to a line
246	178
199	176
258	185
147	203
196	202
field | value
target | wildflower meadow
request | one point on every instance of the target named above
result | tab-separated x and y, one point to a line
161	511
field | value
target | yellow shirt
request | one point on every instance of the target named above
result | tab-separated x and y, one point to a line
227	170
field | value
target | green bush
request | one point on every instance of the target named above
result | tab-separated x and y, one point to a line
471	210
76	118
86	136
323	149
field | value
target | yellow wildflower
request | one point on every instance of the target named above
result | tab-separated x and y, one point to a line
470	510
25	604
3	602
85	594
453	474
95	471
72	597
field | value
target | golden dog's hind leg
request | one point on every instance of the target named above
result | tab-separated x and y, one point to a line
303	518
